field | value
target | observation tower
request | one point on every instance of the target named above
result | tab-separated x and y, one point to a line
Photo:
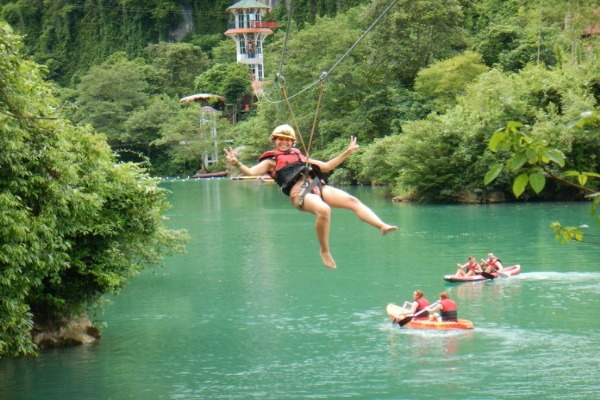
249	31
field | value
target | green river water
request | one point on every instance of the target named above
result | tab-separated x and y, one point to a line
249	312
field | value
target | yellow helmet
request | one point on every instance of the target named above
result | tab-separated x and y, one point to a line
284	131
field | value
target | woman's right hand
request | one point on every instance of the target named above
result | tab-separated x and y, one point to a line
231	157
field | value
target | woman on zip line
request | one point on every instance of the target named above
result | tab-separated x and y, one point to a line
300	178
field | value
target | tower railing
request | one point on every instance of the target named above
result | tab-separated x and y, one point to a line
261	24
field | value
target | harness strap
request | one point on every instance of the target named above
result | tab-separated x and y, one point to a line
307	186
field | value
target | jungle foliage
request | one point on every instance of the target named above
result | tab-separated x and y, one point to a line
75	222
534	160
413	67
69	37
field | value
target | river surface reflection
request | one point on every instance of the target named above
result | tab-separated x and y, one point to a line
250	312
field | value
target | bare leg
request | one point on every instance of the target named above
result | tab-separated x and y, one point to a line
316	206
339	199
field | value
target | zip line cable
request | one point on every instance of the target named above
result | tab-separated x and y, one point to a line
285	38
283	48
363	35
328	72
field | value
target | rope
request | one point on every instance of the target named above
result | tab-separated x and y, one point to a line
294	121
317	109
315	118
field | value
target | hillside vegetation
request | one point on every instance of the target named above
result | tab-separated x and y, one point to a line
438	92
423	90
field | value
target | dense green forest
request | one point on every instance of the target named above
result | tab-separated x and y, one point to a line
90	111
75	223
427	70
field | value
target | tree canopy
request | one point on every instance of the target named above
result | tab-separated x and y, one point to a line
76	222
414	66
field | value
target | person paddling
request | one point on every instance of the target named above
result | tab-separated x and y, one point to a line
493	264
419	304
447	308
471	268
301	179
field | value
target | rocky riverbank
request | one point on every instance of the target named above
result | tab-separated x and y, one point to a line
76	331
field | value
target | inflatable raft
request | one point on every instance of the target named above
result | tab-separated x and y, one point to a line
397	313
506	273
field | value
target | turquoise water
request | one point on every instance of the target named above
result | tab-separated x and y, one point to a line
250	312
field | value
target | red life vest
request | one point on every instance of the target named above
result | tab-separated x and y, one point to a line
290	166
449	310
494	263
423	303
283	158
472	267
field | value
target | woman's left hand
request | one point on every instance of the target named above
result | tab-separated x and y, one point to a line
352	147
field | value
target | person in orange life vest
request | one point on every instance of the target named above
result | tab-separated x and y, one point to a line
471	268
300	178
419	303
493	263
447	308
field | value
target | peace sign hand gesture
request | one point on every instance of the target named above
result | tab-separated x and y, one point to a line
231	157
352	147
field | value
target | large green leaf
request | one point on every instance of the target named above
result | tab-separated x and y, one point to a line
554	155
532	156
514	125
537	182
497	138
517	161
520	184
492	173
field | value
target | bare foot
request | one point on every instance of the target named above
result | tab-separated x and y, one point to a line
327	259
385	229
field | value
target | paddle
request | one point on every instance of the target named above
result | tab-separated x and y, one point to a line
409	318
489	276
503	274
405	305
